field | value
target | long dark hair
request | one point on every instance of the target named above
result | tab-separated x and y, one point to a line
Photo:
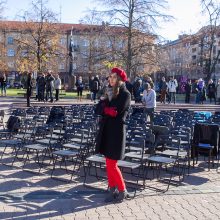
117	87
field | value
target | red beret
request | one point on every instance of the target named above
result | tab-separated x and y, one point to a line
120	73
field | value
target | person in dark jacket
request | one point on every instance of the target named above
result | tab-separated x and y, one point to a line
188	90
95	87
129	86
163	90
3	82
41	86
29	88
112	134
49	79
211	91
79	87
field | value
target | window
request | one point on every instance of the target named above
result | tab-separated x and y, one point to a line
11	52
96	43
214	50
109	43
10	64
194	57
62	41
10	40
120	44
85	43
74	66
24	53
61	66
193	50
85	54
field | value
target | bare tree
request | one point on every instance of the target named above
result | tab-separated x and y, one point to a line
209	56
39	41
138	18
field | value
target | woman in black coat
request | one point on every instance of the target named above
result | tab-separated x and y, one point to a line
112	134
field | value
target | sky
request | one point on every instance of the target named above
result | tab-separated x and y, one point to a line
186	12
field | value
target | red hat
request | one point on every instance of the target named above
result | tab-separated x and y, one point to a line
120	73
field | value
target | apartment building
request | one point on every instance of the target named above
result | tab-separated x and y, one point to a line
84	48
190	55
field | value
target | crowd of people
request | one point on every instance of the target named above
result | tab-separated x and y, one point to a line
45	86
202	91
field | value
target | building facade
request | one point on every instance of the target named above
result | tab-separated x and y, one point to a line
193	56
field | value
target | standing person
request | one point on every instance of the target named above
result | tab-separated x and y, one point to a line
49	79
57	86
112	133
137	89
150	81
3	82
201	93
129	86
41	87
211	91
95	87
163	90
29	88
218	92
149	101
172	86
188	90
91	87
79	87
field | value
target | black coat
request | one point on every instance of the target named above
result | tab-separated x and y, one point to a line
112	134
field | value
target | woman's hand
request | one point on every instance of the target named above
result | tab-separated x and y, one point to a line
110	111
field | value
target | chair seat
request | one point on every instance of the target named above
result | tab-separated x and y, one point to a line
173	153
46	141
74	146
38	147
10	142
54	136
205	146
161	159
65	153
137	155
59	132
128	164
96	158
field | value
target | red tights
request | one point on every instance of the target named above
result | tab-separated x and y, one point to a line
115	178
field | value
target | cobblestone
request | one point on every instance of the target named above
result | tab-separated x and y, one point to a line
29	196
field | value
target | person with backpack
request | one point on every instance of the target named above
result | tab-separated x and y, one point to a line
80	86
95	87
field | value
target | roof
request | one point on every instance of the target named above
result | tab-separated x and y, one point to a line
62	27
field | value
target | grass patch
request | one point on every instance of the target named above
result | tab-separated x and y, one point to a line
20	92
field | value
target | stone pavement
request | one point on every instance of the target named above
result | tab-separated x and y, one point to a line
32	196
25	195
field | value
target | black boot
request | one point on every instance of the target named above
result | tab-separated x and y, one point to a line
123	195
111	195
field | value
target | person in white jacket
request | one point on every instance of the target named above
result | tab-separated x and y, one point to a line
172	86
57	86
149	101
